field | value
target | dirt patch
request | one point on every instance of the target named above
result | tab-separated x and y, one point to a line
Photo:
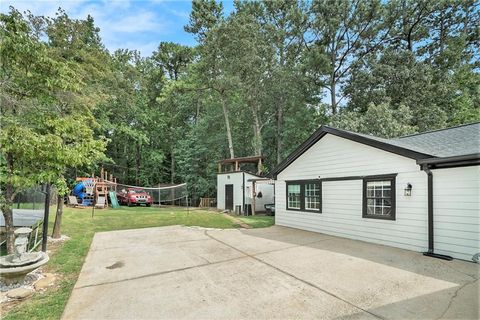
237	221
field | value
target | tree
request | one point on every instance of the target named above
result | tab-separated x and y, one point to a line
205	15
424	67
173	59
283	24
343	31
127	114
205	22
77	44
40	135
246	59
379	120
394	79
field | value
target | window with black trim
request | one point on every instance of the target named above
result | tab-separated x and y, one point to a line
379	197
312	196
304	195
293	196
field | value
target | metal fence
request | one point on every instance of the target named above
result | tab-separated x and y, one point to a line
28	211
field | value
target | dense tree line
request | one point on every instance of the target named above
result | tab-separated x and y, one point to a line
260	80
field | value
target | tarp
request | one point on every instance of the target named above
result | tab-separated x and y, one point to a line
24	217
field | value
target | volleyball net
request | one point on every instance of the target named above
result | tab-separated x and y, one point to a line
176	194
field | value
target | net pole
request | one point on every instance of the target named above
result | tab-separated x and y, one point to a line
93	207
159	198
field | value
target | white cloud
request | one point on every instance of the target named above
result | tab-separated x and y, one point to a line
180	14
41	7
137	22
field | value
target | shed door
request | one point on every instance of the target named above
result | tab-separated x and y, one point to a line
229	197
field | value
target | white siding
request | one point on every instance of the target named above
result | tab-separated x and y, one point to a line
236	178
341	213
457	211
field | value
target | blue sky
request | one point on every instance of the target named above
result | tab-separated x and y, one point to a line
131	24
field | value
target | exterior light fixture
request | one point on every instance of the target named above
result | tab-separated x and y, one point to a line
408	190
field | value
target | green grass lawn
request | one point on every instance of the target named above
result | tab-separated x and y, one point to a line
258	221
79	225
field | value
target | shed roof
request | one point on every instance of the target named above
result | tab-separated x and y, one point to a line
445	143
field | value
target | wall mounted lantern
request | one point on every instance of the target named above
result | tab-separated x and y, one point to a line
408	190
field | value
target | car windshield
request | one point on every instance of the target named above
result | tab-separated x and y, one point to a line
136	191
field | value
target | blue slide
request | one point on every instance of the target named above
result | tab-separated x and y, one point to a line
78	192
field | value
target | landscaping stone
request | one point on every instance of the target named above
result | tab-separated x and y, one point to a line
45	282
61	239
19	293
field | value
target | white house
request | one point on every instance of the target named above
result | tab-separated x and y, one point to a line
419	192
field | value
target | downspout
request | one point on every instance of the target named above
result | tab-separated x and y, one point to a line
431	242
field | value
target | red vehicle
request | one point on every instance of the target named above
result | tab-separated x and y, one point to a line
134	197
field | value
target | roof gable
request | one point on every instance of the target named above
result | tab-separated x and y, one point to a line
456	141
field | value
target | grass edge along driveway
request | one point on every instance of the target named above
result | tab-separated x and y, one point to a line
79	225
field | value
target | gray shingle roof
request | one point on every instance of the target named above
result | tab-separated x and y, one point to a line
448	142
456	141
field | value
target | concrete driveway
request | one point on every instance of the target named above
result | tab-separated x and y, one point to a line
192	273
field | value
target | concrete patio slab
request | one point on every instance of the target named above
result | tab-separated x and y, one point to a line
148	252
272	273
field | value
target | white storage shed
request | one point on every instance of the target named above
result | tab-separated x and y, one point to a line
235	192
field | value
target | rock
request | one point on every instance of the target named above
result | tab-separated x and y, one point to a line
19	293
45	282
3	297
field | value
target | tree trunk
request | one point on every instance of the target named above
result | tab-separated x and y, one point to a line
257	132
442	32
138	161
126	171
333	92
7	206
280	132
172	165
227	125
8	216
281	105
58	218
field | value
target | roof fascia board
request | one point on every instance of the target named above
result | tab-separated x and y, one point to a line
240	171
378	144
317	135
451	162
